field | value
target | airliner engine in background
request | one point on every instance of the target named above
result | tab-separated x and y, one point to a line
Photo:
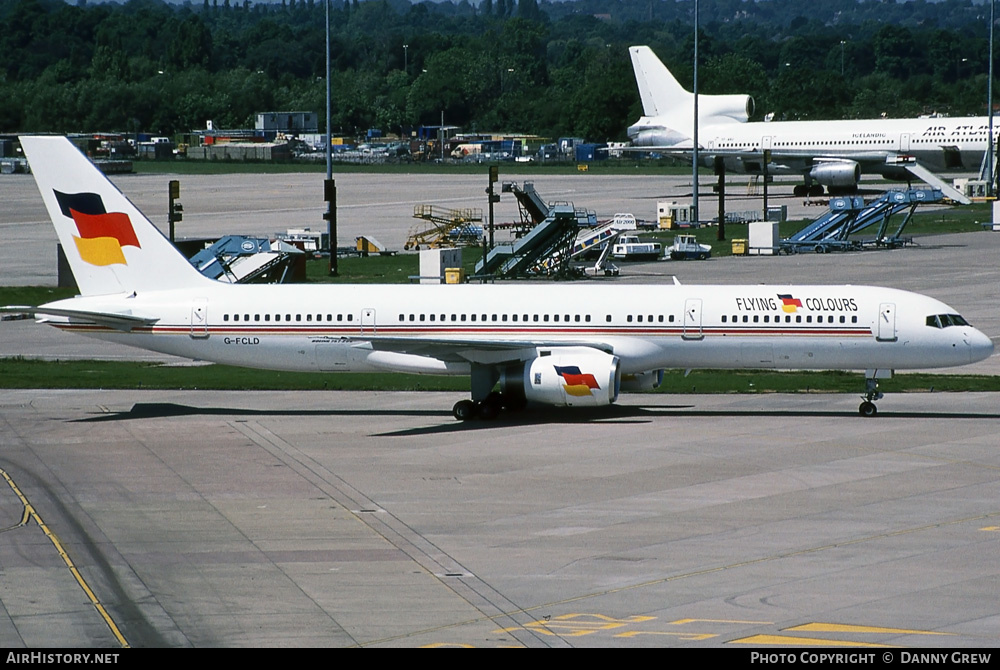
549	344
825	153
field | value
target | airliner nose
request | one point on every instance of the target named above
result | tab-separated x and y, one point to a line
980	346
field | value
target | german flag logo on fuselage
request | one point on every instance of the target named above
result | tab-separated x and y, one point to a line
102	233
788	303
577	383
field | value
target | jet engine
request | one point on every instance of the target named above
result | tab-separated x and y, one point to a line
578	377
836	173
643	135
713	108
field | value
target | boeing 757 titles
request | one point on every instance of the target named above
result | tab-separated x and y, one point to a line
824	153
552	344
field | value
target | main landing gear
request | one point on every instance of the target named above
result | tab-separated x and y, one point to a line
487	403
464	410
488	408
808	190
868	408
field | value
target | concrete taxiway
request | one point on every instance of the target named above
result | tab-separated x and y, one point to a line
375	519
360	519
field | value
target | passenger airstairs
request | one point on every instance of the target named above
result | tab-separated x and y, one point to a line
850	215
554	236
594	239
236	259
533	209
935	182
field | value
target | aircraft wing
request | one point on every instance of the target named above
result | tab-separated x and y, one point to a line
887	163
801	159
473	350
117	320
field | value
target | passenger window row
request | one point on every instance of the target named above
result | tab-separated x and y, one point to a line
808	318
289	317
493	318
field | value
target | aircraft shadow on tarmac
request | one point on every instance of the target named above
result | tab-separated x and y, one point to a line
619	414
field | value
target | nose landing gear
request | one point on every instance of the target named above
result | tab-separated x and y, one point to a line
868	408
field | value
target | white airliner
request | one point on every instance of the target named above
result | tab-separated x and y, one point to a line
551	344
824	153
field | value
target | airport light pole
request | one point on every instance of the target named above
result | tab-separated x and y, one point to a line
694	150
329	186
989	109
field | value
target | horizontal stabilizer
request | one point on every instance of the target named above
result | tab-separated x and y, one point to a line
116	320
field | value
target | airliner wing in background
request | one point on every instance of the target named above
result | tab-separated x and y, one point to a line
547	344
833	154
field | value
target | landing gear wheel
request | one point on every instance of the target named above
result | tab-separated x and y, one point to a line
489	409
867	409
815	190
800	190
464	410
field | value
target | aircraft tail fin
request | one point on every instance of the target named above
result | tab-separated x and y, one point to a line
110	245
660	92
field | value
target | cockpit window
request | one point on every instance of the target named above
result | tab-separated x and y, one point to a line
946	320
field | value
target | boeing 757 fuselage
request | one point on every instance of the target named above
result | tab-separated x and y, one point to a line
552	344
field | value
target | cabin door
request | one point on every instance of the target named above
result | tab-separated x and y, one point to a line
886	322
368	320
692	319
199	318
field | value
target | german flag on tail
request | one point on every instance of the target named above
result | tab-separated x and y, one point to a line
103	234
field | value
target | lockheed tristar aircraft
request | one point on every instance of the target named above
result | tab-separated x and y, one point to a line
552	344
824	153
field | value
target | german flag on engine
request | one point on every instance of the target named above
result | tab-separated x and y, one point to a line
577	383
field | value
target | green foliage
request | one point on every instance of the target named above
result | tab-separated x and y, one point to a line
552	68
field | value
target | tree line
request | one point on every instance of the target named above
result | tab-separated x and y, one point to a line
550	68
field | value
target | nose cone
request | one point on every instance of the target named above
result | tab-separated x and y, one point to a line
980	346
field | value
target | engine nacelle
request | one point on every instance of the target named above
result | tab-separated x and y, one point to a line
716	107
642	381
577	378
655	136
836	173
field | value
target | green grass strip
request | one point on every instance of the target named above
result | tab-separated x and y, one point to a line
21	373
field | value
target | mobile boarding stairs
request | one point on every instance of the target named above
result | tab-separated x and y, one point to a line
849	215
